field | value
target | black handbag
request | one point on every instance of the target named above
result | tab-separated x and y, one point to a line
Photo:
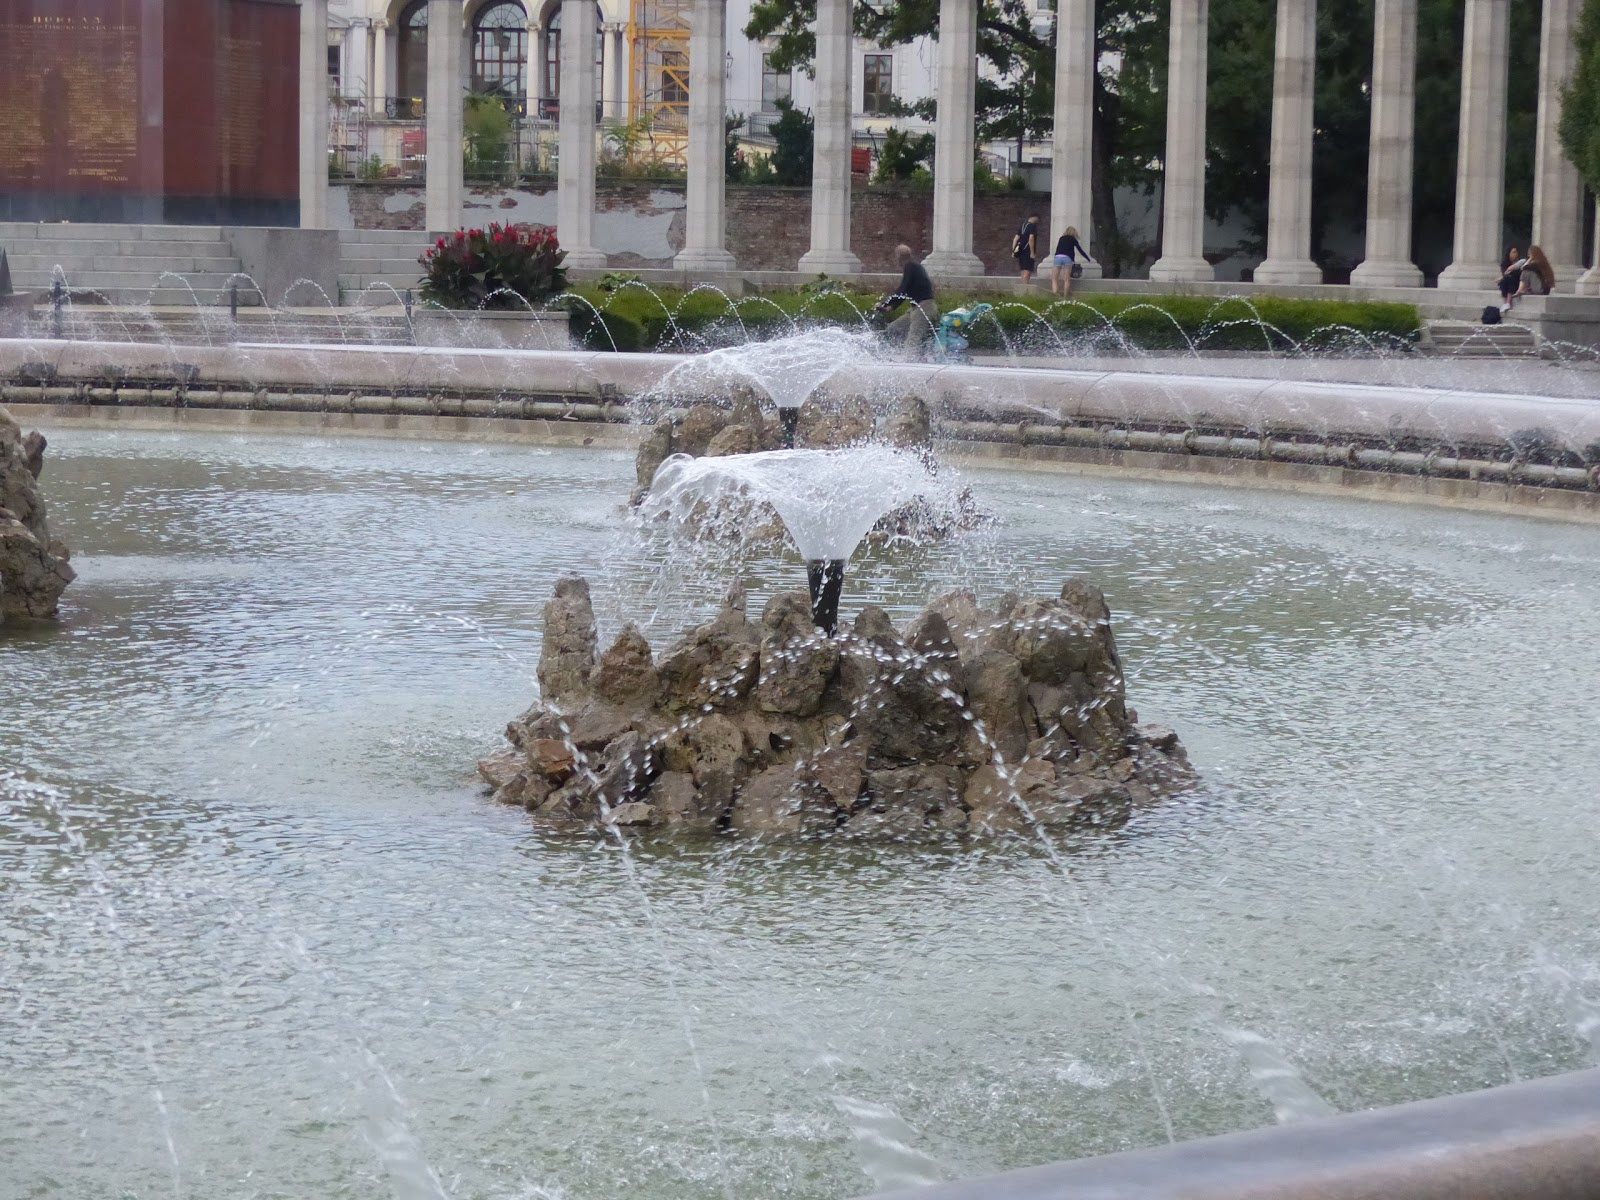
1077	270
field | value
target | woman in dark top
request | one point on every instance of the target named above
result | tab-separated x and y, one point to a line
1510	275
1068	247
1027	248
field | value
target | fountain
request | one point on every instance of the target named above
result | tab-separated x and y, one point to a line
861	916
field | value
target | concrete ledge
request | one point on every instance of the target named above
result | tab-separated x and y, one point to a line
1526	1141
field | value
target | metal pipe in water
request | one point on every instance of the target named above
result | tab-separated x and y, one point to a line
825	579
789	418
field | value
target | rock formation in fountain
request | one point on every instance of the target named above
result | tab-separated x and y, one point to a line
33	567
826	421
987	720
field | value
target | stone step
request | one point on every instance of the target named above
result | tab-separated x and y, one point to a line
396	280
76	264
205	295
381	266
1467	339
362	251
11	231
214	327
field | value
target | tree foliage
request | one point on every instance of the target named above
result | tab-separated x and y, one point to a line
1580	101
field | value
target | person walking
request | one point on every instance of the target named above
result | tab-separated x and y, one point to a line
1068	247
914	326
1025	248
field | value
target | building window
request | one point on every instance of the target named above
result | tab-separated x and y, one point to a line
674	77
411	56
500	49
877	88
333	68
552	53
775	84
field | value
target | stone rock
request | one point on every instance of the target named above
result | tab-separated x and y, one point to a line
996	696
716	664
829	422
699	425
735	439
678	801
501	767
654	450
552	758
797	662
627	769
625	673
34	570
746	408
909	424
568	654
778	801
771	729
704	746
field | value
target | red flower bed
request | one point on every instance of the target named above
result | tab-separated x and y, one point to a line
504	266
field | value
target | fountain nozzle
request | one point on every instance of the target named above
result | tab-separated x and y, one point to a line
789	418
825	578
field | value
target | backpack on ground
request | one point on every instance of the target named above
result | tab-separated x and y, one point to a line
1491	314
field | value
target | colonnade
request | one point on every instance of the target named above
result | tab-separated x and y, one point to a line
1480	173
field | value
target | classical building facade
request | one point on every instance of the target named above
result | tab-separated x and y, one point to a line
682	65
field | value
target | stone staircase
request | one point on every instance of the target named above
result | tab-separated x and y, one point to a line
376	260
1470	339
191	326
129	265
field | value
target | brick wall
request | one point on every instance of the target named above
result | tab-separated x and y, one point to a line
769	228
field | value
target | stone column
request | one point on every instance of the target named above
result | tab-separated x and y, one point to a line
608	82
953	148
1183	188
1588	284
575	179
446	101
313	114
619	78
1481	152
1289	197
1072	139
705	216
830	151
1557	190
533	73
1390	148
380	69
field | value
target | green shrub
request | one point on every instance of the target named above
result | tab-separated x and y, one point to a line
500	267
669	318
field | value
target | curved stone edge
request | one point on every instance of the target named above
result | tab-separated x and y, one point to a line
1379	415
1538	1140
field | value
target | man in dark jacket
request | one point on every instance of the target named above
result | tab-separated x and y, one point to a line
916	324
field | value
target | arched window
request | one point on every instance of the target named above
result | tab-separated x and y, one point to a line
552	51
411	56
500	49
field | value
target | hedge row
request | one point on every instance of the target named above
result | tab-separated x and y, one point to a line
635	318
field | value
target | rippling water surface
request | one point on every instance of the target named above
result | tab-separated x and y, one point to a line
261	936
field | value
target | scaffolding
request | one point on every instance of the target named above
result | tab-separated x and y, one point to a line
658	81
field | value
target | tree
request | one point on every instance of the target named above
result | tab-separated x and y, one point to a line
1580	100
793	136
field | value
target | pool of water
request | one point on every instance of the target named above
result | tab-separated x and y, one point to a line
262	936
